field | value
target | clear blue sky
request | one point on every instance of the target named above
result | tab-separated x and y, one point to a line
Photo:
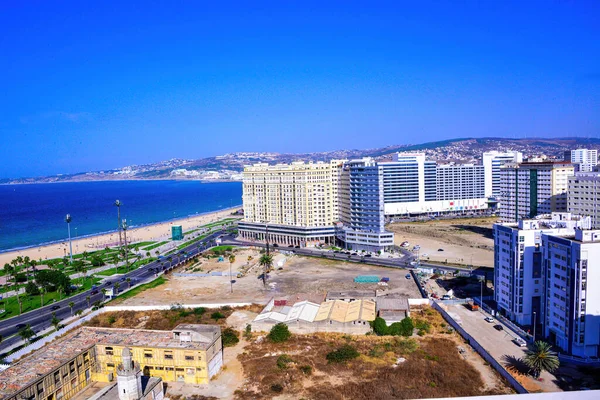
87	87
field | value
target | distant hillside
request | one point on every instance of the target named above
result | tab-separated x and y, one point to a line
228	166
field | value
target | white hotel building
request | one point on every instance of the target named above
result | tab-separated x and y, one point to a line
518	263
583	196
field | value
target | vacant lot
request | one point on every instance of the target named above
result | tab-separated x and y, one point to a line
386	368
466	241
297	275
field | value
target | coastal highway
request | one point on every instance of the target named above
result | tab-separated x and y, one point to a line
41	318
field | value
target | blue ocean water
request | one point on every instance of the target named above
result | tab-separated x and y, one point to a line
35	214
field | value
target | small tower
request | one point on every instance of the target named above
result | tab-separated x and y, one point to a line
129	377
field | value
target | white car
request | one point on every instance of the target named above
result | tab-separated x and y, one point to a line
519	342
489	319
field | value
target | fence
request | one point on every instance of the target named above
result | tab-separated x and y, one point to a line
418	282
578	360
482	352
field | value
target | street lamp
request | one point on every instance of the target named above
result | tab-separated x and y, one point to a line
118	204
534	323
68	221
124	227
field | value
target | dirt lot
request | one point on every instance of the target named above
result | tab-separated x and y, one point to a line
386	368
298	275
464	241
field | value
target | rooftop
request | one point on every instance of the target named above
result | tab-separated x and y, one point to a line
55	354
392	304
341	311
353	294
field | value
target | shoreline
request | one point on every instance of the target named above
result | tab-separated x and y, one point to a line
155	231
129	179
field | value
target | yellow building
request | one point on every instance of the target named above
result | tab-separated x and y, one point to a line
189	353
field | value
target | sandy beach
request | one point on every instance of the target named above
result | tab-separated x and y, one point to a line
155	232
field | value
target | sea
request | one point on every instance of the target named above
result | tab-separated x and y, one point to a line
34	214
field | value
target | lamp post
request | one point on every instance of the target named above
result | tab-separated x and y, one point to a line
68	221
481	294
124	227
118	204
534	324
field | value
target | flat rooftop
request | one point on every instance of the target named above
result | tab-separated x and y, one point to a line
55	354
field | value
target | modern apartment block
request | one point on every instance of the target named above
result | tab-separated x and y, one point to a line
415	185
584	195
571	304
518	263
532	188
361	200
584	160
460	182
303	204
294	203
492	162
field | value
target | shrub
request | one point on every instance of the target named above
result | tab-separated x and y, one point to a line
183	313
423	327
279	333
199	311
306	369
277	388
32	289
111	319
248	331
96	261
230	337
217	316
380	327
283	361
343	354
407	327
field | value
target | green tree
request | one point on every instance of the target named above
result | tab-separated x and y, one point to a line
32	289
279	333
380	327
116	286
231	261
27	333
541	358
128	280
97	261
88	298
71	305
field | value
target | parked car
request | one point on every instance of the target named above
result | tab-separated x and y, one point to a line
489	319
446	297
519	342
367	255
440	249
407	276
275	245
498	327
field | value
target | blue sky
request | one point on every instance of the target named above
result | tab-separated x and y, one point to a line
88	87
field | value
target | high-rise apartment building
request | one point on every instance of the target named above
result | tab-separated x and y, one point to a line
362	206
571	304
460	181
295	203
518	263
492	162
584	160
584	195
532	188
415	185
307	204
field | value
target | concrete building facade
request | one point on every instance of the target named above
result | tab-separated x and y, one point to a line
518	263
571	305
584	160
492	162
583	196
532	188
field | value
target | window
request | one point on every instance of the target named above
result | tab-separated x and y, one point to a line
147	354
189	358
107	350
168	356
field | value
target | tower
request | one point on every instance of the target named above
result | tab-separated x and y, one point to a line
129	377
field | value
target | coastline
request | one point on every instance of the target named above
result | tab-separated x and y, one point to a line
12	182
149	232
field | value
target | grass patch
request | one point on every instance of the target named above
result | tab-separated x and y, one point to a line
137	290
155	245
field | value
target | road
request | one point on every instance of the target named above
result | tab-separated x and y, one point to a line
40	318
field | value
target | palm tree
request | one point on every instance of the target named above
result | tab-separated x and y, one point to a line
55	322
71	305
148	254
157	253
27	333
8	270
231	261
541	358
266	260
115	259
128	280
116	286
103	293
88	298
